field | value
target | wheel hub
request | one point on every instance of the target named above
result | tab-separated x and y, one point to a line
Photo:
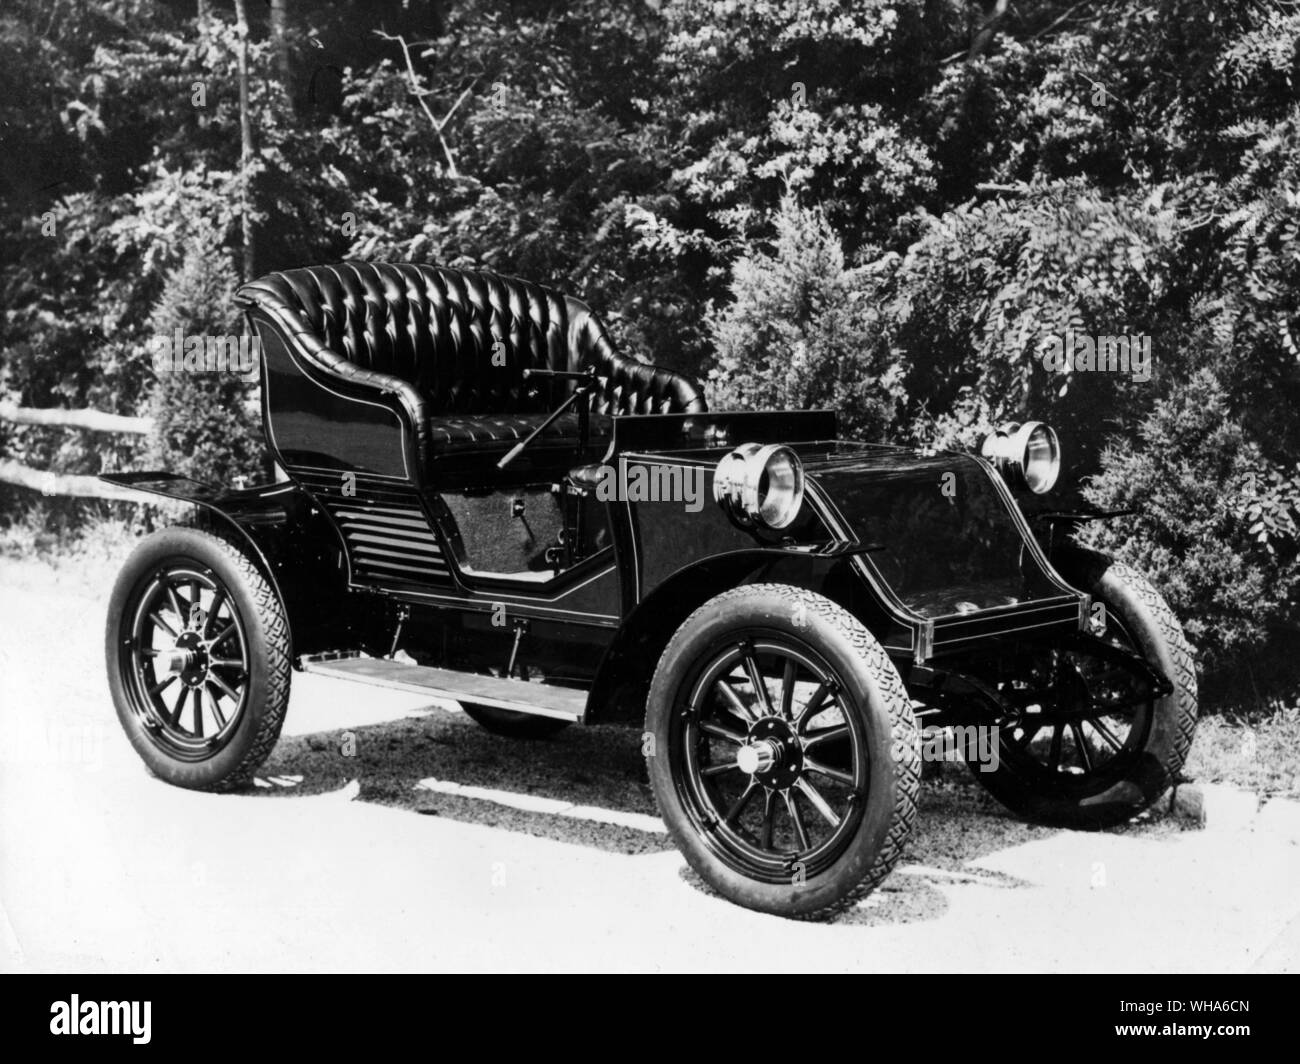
761	756
188	659
773	755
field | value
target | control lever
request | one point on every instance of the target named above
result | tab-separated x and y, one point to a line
586	382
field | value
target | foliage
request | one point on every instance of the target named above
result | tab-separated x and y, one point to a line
1214	528
872	206
793	334
204	424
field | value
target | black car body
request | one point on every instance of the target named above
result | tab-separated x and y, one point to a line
482	499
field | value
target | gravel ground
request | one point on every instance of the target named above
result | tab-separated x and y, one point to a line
345	862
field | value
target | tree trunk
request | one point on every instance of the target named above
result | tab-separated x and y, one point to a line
245	146
280	38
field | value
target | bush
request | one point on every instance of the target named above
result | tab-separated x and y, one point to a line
796	332
1202	490
203	425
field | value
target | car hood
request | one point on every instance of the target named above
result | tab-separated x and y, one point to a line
948	537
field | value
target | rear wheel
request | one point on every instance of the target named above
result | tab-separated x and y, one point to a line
782	751
198	659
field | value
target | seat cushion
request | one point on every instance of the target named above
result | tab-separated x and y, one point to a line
462	339
493	433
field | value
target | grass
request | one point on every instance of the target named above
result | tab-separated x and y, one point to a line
1259	752
83	561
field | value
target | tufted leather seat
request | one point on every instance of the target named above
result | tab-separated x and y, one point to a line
458	342
451	435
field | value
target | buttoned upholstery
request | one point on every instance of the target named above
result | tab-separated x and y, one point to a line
459	341
451	435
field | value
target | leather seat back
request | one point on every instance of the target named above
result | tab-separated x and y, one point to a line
463	338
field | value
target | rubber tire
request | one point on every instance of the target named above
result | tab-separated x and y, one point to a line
514	725
893	746
267	630
1148	618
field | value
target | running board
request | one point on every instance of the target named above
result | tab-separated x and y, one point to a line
535	699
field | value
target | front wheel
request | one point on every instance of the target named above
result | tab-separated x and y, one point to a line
198	659
782	751
1091	747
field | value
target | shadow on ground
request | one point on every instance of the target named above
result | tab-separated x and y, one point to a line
958	822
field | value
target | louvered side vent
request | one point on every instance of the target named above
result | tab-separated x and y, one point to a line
387	534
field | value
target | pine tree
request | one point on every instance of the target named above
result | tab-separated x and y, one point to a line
799	331
203	427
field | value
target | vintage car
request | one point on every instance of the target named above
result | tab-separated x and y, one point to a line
482	500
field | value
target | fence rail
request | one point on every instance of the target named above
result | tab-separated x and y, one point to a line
70	484
74	484
94	420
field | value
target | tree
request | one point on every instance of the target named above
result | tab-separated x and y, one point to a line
246	147
888	207
1203	493
798	331
204	426
280	40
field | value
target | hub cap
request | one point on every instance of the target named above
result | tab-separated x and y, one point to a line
775	751
758	758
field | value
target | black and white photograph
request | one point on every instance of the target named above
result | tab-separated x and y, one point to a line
650	486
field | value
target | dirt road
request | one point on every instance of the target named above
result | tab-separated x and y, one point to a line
390	833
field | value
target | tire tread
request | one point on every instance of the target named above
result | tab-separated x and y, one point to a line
276	642
902	722
1184	665
279	667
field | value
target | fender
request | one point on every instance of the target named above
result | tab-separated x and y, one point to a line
289	540
1080	566
623	675
1055	530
